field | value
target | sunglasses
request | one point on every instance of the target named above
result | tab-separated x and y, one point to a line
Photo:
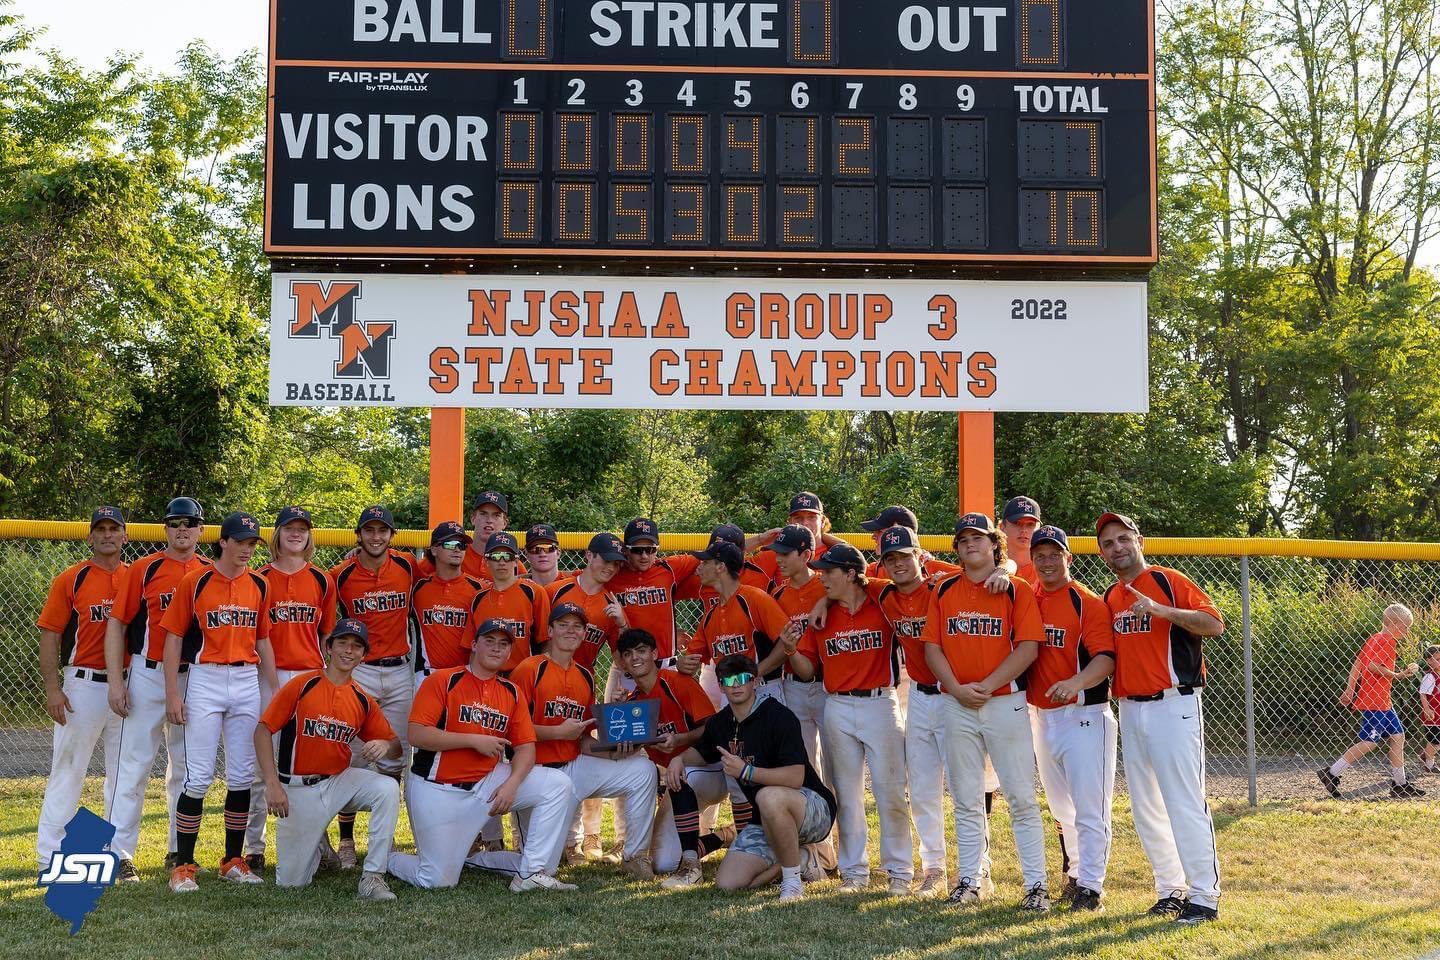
738	680
542	550
643	550
500	556
451	544
190	523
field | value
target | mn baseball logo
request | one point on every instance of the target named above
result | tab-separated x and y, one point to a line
364	344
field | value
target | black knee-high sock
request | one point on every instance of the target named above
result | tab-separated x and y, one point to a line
742	813
187	825
237	818
347	826
686	808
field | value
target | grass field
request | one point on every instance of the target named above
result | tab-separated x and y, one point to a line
1323	879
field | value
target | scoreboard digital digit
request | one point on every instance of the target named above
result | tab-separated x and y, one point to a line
1018	132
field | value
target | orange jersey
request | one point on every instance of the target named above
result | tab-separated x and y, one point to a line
555	694
1027	572
147	588
977	629
749	623
302	614
765	562
317	721
524	605
857	650
1151	653
457	701
78	607
751	575
1372	690
440	621
219	619
1077	629
906	613
649	598
931	569
797	602
599	629
380	600
684	706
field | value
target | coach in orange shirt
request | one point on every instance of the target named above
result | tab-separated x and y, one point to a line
1160	618
979	645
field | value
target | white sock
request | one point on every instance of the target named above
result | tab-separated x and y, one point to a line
790	873
1339	766
1398	775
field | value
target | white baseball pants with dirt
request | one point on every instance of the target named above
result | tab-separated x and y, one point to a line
633	781
860	732
1075	753
300	836
1000	728
1165	776
72	745
446	818
140	735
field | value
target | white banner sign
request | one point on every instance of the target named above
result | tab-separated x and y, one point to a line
744	343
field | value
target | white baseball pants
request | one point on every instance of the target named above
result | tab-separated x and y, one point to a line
300	836
1165	774
72	746
140	735
860	732
633	780
1075	752
445	820
807	702
220	701
1002	728
711	787
925	771
255	831
394	689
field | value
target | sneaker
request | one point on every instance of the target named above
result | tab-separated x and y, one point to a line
182	878
932	884
539	881
1067	892
590	847
1404	791
329	859
966	893
573	856
639	868
373	887
688	874
811	869
255	861
1171	906
236	870
899	887
791	890
1329	781
1037	899
1194	914
346	855
854	884
126	872
1085	899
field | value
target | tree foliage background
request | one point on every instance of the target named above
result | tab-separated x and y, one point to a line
1295	330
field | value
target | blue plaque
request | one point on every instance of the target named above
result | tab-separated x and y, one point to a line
634	721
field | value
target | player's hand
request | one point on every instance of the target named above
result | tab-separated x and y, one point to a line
487	745
732	764
790	637
619	695
666	744
277	800
1347	698
622	750
571	729
675	774
119	700
688	663
615	610
817	613
57	705
374	750
1143	605
1413	669
998	581
175	710
504	797
1064	691
972	695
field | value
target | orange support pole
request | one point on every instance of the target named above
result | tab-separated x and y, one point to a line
447	464
977	463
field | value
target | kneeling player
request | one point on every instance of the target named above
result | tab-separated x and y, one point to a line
317	715
461	722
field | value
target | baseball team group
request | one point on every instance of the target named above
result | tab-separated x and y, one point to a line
463	680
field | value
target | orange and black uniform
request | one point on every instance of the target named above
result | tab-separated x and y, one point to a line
381	601
1077	629
649	598
440	621
977	629
749	623
796	603
751	575
220	619
1151	653
525	606
555	694
317	721
150	584
684	706
599	629
302	614
857	650
77	608
458	701
906	613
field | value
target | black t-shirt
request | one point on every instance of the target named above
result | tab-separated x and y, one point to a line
768	737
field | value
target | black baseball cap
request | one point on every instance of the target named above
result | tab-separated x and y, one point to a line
291	514
607	546
806	502
1108	518
841	556
730	533
1050	534
975	521
641	529
113	514
449	530
1018	508
374	513
541	533
568	610
634	637
492	499
791	538
239	526
502	541
184	507
349	627
496	625
893	516
899	540
724	551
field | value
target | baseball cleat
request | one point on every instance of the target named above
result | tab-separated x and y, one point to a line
854	884
1037	899
1329	781
373	887
182	879
126	872
639	868
1067	892
932	884
1171	906
1194	914
1085	899
590	846
965	894
573	856
1405	791
539	881
899	888
792	890
346	854
255	861
686	875
236	870
329	859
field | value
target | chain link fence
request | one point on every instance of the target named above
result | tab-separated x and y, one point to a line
1293	627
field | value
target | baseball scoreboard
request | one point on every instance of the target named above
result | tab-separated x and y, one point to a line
1014	132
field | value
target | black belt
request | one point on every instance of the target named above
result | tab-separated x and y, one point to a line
876	692
931	688
466	785
90	673
1183	691
158	664
794	679
555	765
385	662
305	781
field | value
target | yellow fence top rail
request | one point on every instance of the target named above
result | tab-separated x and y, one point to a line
1155	546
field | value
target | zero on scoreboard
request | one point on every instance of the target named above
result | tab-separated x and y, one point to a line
1021	131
